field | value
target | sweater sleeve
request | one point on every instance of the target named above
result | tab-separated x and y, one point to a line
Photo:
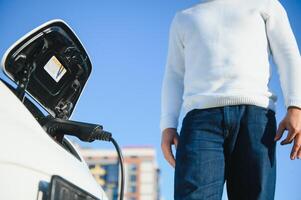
172	86
285	53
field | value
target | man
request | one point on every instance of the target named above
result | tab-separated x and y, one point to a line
218	70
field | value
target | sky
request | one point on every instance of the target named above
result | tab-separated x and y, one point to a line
127	43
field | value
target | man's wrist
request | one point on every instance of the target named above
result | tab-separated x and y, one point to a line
169	129
293	108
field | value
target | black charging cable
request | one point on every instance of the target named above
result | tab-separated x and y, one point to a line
85	132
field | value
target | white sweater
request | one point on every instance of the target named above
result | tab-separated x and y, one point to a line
218	55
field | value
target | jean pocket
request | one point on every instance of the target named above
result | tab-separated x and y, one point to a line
267	110
258	114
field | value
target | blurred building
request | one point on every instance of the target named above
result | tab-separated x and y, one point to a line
141	172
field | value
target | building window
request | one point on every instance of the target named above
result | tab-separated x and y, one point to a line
132	189
132	167
133	178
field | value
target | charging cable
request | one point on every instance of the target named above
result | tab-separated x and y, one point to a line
85	132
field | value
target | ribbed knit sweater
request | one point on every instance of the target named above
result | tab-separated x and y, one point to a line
218	55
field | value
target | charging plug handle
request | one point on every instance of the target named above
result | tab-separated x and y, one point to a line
84	131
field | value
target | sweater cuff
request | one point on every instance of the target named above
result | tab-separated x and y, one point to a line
293	102
168	121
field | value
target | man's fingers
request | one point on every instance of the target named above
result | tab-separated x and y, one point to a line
169	137
176	141
280	131
296	150
167	152
290	137
299	153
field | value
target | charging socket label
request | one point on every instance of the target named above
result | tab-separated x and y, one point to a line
55	69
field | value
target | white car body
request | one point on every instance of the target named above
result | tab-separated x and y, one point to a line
29	156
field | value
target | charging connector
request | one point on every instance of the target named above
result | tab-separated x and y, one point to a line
86	132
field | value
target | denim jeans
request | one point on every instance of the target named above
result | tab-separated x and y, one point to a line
230	143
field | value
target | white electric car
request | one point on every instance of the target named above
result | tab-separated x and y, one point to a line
49	67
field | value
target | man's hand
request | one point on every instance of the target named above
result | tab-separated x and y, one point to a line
292	123
169	138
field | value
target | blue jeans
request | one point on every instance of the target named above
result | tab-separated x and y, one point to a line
231	143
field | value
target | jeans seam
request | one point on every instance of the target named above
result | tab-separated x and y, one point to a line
226	129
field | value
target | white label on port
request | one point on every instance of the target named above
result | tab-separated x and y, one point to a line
55	69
